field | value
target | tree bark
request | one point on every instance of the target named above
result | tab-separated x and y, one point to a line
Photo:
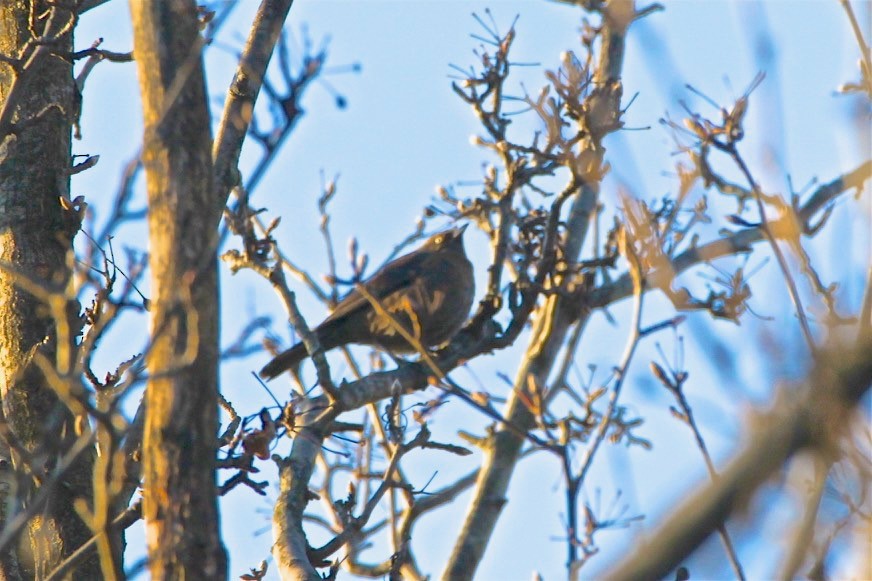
180	504
38	105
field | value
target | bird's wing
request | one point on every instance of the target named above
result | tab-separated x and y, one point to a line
395	275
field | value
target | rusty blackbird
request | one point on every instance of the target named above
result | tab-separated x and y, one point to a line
428	292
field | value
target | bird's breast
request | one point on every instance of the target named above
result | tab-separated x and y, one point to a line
432	309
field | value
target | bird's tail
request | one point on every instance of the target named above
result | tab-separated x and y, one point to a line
284	361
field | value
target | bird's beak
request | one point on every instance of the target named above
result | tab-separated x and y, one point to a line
461	229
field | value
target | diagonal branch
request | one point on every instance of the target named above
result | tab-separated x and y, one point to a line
243	92
602	116
740	241
811	418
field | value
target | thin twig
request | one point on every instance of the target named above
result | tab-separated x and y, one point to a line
623	366
675	387
861	43
773	242
812	417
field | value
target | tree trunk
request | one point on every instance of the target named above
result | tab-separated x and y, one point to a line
179	503
38	105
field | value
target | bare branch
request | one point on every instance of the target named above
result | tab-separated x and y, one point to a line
814	418
244	89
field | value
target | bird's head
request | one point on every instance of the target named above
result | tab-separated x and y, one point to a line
448	239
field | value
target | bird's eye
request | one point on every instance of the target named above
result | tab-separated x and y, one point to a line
439	239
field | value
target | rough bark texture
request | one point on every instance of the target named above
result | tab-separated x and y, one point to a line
179	504
39	105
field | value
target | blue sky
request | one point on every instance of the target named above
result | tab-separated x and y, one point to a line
404	133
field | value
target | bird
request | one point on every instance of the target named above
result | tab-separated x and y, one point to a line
428	292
